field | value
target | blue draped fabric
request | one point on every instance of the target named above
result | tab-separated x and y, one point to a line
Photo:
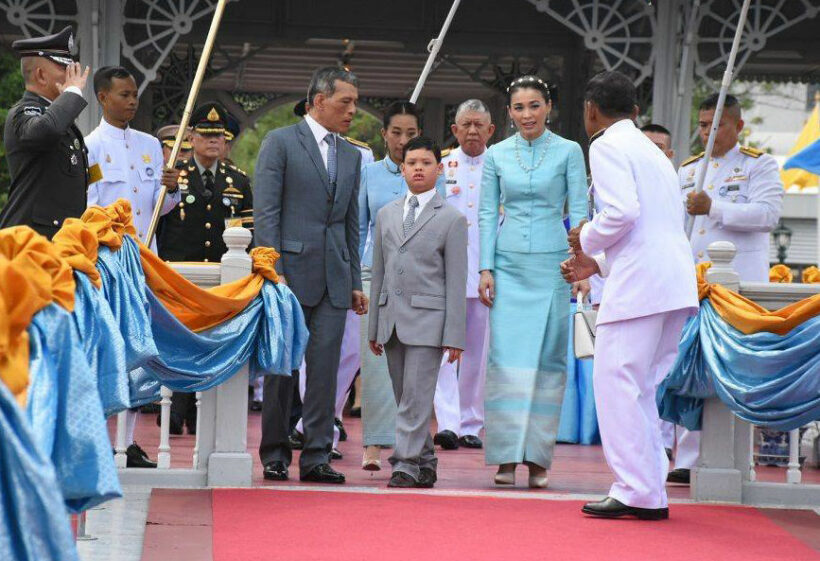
579	421
103	344
34	523
766	379
65	412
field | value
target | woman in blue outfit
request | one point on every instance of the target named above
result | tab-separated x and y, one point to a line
531	175
381	183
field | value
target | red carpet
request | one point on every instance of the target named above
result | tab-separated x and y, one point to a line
251	525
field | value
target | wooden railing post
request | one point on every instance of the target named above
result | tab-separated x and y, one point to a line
725	441
230	464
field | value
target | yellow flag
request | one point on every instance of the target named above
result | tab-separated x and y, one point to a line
810	133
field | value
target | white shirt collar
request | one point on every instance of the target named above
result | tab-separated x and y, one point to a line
114	132
473	161
318	130
423	199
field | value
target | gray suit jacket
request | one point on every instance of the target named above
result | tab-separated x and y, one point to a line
297	212
418	284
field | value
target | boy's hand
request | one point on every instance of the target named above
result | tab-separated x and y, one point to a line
376	348
454	354
359	302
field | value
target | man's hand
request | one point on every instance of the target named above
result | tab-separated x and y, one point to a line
360	302
486	289
579	267
74	76
698	203
454	354
574	237
580	289
170	178
376	348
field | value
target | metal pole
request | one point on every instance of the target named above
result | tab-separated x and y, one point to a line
434	47
724	88
189	107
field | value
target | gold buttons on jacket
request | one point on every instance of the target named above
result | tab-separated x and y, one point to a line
135	189
208	207
207	225
207	244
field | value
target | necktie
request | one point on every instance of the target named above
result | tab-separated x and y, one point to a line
410	219
208	180
331	157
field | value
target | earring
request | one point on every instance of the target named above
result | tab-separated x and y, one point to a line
512	125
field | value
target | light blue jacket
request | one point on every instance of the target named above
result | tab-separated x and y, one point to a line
533	201
381	183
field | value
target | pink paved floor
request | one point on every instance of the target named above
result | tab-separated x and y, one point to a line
576	469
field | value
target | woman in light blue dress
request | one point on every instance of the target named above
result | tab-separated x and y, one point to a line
532	175
381	183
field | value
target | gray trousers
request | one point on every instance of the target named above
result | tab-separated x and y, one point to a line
326	325
414	372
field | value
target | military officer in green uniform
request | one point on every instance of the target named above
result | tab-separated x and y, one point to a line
213	195
46	154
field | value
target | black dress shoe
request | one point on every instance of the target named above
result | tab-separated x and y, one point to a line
401	480
341	427
256	405
335	454
613	508
323	473
297	440
276	471
137	458
356	412
679	475
427	478
447	439
470	441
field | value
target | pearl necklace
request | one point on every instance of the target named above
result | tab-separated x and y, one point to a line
528	169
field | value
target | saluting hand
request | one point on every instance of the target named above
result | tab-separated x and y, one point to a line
170	178
574	238
74	76
698	203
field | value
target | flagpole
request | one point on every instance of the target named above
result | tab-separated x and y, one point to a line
186	114
724	89
434	47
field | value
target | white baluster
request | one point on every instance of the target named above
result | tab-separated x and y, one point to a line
120	459
198	427
82	534
164	452
793	474
752	472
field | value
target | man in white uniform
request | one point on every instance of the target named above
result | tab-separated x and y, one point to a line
128	164
459	401
639	245
741	202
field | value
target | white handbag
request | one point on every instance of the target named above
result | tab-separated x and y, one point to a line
584	330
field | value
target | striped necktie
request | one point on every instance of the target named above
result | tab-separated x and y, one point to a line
410	219
330	138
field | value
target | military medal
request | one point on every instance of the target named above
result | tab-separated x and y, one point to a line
229	180
74	160
226	201
146	158
149	172
76	144
190	199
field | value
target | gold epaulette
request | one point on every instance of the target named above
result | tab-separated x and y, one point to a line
753	152
237	170
446	152
692	159
357	142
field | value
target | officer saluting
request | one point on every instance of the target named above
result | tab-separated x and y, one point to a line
212	194
45	149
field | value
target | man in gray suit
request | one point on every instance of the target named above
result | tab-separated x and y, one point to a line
306	207
419	280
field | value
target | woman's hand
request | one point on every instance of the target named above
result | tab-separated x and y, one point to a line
580	289
486	288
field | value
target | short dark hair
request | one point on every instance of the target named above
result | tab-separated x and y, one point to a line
105	76
529	82
730	107
324	81
422	143
654	127
613	92
401	107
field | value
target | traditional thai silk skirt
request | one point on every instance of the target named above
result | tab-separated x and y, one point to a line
378	400
527	363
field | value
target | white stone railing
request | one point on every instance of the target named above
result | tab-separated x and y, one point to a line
726	469
220	456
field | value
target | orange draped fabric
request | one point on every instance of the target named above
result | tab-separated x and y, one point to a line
811	275
780	273
749	317
77	244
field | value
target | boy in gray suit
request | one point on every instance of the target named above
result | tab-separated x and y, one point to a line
419	279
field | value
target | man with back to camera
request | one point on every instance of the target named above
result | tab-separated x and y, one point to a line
636	240
741	202
459	402
45	149
307	183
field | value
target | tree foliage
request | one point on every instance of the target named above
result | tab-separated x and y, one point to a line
11	89
365	127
